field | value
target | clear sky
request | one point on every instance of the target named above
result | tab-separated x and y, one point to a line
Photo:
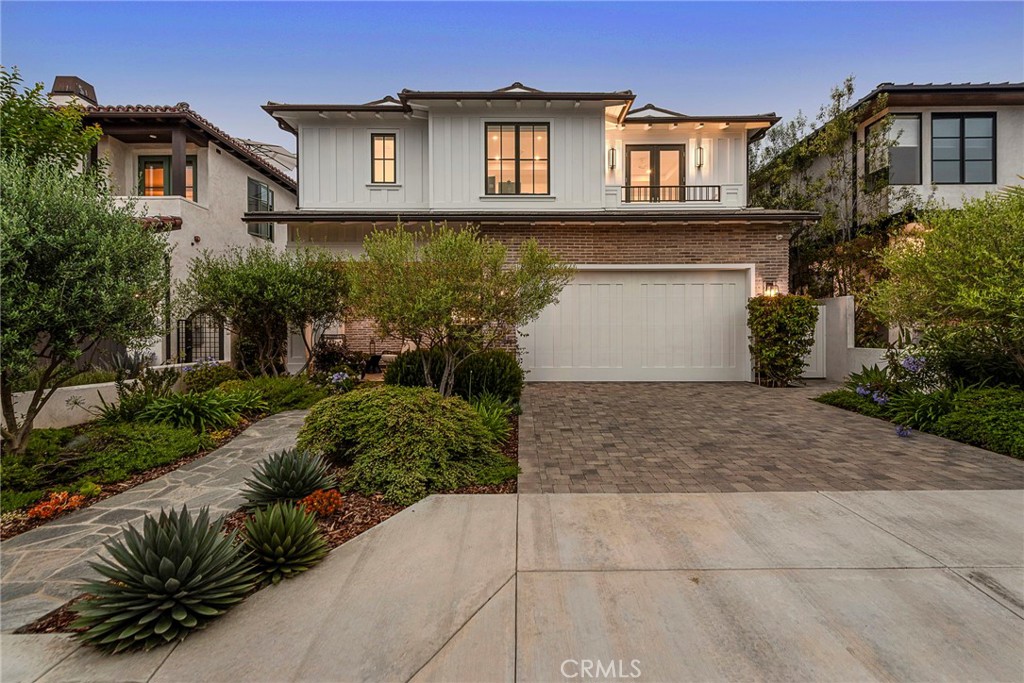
226	59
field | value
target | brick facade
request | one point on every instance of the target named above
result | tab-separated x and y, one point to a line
766	246
361	335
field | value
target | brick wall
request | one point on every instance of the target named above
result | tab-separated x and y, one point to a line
678	244
361	335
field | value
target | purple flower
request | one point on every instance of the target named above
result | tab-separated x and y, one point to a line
903	430
879	398
862	390
339	377
913	364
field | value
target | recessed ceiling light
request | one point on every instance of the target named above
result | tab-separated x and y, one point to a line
152	136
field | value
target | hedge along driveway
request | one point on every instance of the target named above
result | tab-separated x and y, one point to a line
691	437
43	567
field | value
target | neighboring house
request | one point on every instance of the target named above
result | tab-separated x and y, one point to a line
192	179
650	204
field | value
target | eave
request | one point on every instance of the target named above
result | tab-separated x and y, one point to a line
702	216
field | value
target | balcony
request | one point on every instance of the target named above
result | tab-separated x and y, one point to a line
654	194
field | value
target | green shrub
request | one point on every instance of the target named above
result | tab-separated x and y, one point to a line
494	414
287	476
331	355
133	396
989	418
490	372
178	574
201	412
968	356
921	410
247	402
404	442
873	379
14	500
849	400
207	375
782	333
113	453
284	541
281	393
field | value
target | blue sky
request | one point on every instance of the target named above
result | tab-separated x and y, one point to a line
226	59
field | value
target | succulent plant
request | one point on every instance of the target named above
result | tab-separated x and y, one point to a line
284	541
176	575
287	476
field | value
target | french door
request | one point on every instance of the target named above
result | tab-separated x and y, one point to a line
655	173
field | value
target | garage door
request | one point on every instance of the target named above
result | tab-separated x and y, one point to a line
610	326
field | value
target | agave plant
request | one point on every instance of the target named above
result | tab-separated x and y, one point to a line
284	541
175	576
287	476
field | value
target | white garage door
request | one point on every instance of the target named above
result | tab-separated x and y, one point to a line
608	326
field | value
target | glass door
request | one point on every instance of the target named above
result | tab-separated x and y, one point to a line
654	173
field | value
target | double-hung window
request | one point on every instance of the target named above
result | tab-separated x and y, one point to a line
260	198
897	154
155	177
963	148
517	160
383	158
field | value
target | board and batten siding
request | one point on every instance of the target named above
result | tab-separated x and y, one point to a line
335	166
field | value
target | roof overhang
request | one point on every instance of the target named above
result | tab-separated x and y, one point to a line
693	216
948	94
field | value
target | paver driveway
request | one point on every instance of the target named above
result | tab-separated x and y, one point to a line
692	437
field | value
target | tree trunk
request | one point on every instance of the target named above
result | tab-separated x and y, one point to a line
448	376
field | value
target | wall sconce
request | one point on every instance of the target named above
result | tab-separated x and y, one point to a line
611	158
699	161
770	288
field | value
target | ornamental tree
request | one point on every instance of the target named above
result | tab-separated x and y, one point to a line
961	271
453	290
781	335
75	267
259	293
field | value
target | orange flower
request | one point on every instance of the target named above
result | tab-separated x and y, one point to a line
322	503
57	503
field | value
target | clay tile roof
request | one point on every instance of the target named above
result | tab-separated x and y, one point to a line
183	110
161	223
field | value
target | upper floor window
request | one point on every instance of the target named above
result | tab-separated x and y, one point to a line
963	148
155	177
383	158
260	198
899	153
517	158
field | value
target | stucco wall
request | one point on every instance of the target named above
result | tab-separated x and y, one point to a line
842	356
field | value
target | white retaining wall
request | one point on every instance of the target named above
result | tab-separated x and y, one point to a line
843	356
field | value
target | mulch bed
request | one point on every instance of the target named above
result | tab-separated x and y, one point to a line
13	527
359	513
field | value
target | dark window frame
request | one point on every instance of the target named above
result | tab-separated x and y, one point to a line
962	117
517	125
883	176
385	159
655	151
165	160
256	203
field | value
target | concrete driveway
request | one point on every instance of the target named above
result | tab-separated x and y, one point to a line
888	585
728	437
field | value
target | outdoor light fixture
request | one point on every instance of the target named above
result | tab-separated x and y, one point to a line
611	158
699	160
770	288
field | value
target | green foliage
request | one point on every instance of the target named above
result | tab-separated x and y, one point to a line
453	290
287	476
921	410
848	400
404	442
260	293
75	266
330	355
494	414
281	393
89	488
961	272
968	356
36	131
92	376
177	575
284	541
15	500
207	375
782	333
989	418
109	454
135	395
200	412
488	372
873	379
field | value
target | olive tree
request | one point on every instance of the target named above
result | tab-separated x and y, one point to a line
77	267
453	290
260	294
961	270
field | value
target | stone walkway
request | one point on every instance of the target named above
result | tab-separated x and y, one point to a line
906	585
692	437
42	568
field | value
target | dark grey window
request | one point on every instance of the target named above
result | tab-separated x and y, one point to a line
517	158
897	157
383	148
261	198
963	148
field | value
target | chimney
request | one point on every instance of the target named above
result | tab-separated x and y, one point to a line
67	89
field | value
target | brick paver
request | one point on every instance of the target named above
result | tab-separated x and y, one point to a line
690	437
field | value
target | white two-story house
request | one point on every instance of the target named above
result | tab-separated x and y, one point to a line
650	205
191	179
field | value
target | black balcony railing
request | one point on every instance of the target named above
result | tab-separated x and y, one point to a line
649	194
